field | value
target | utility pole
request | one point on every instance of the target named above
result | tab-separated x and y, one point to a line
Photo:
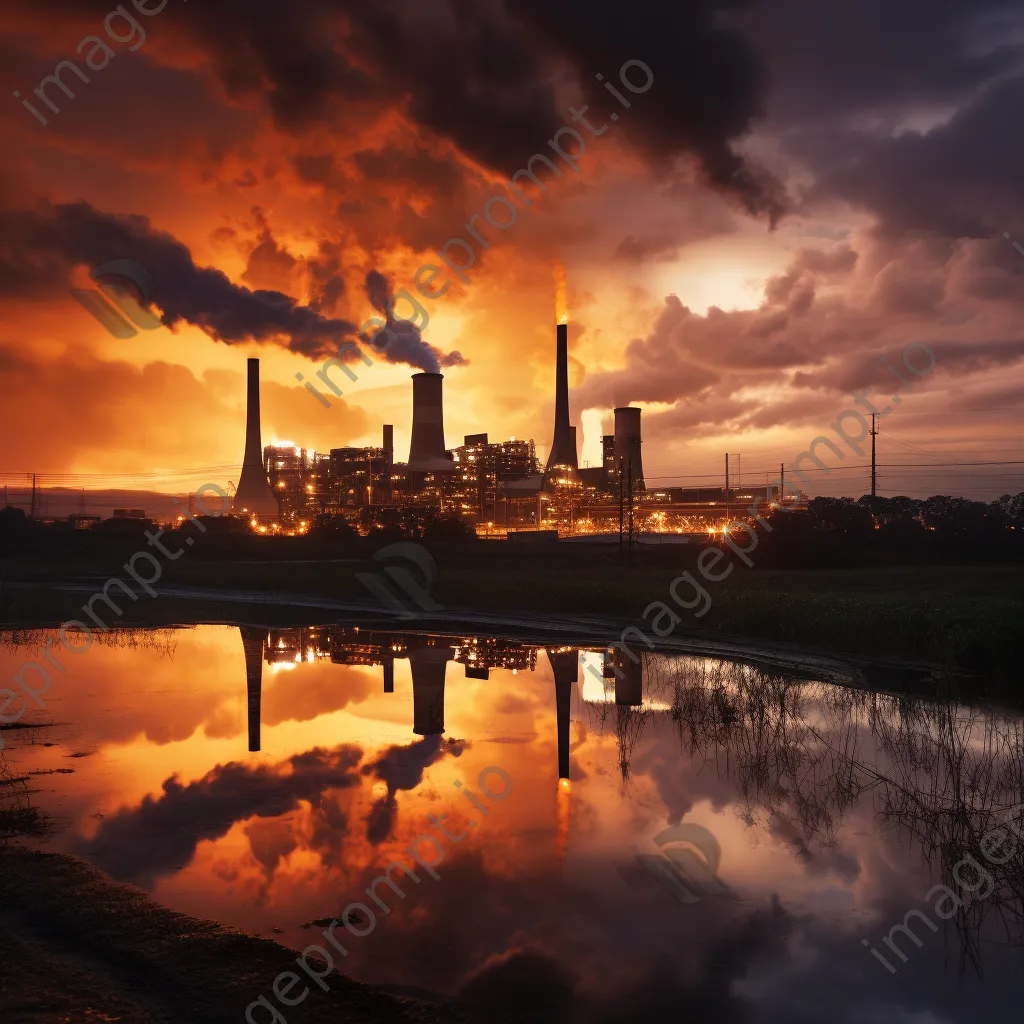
34	506
629	548
728	513
782	482
874	466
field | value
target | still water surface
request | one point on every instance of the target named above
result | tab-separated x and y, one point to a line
700	838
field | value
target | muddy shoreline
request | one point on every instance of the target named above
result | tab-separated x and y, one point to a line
78	947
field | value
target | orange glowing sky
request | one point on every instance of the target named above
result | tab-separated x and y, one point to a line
735	264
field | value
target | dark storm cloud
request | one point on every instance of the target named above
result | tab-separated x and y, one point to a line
830	62
904	108
160	836
709	83
38	248
961	179
481	73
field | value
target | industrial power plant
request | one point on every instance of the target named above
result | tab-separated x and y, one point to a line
499	488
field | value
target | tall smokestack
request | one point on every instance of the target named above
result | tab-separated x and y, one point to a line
565	667
253	639
426	452
563	445
627	446
253	495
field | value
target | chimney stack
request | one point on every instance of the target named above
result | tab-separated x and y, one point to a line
426	452
253	495
253	640
565	667
627	446
563	445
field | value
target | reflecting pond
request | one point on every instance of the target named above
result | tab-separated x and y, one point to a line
675	835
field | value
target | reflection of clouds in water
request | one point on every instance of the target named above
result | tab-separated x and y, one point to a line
402	768
159	837
828	802
323	689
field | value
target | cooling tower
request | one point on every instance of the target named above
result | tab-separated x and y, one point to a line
563	444
254	495
426	452
627	446
428	665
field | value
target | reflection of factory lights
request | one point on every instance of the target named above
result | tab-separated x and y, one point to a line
281	666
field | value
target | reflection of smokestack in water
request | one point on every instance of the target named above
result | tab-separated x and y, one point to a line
253	639
565	666
253	494
426	452
389	675
428	665
563	444
627	446
629	690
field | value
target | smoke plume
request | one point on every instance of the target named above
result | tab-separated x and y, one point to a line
401	340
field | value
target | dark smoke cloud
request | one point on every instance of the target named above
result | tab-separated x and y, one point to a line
40	247
160	836
482	73
709	82
401	341
403	768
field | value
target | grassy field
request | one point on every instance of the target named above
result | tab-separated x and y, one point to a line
966	617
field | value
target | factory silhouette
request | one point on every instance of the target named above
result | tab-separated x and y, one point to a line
429	656
494	486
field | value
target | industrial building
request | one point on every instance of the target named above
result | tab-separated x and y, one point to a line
498	487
